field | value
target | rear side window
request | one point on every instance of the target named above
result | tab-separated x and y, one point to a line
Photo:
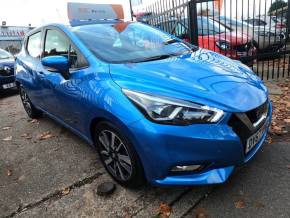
57	43
34	45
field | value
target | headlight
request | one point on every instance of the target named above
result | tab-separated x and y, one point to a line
223	45
166	110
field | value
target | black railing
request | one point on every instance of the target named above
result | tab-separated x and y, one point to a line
245	30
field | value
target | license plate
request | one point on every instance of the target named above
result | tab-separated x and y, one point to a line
8	85
254	139
242	54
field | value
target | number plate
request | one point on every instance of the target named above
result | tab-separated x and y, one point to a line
8	85
254	139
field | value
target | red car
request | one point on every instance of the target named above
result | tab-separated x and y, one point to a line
214	36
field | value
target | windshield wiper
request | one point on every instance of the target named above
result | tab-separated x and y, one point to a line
170	41
154	58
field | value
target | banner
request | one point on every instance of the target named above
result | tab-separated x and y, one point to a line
84	11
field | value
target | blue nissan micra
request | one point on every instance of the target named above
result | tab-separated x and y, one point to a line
157	109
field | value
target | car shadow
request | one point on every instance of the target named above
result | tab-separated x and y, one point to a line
8	93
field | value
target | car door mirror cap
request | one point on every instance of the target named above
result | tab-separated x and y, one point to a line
57	64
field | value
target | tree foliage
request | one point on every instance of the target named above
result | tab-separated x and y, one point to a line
277	5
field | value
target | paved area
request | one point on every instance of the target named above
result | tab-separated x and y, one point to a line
46	171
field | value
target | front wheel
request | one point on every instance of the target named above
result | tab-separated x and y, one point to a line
118	156
31	111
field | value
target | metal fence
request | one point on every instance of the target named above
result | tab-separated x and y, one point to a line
255	32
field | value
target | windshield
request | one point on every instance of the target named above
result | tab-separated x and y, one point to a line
4	54
129	42
207	26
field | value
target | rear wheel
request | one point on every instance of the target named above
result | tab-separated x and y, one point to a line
31	111
118	156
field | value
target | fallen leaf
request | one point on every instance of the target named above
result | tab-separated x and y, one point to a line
26	136
9	138
240	204
287	120
201	213
164	210
288	166
6	128
65	191
258	205
45	135
34	121
9	172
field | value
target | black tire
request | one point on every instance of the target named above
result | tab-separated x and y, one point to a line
31	111
134	178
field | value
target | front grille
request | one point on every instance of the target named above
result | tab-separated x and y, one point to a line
241	128
255	114
9	72
243	48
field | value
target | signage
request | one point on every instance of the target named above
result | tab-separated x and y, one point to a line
13	33
84	11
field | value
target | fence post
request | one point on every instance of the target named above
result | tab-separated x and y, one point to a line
288	21
192	22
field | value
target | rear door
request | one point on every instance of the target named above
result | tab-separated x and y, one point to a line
28	66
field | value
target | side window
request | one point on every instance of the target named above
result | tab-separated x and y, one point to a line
76	59
34	45
57	44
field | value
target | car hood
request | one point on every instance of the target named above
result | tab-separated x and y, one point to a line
203	77
7	62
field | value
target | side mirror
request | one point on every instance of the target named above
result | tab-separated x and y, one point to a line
58	64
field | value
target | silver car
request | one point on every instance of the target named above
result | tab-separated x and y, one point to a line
264	38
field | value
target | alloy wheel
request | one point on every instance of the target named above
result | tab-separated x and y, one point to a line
25	101
115	155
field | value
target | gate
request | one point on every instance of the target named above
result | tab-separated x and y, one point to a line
256	32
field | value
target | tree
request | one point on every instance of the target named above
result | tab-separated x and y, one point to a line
277	5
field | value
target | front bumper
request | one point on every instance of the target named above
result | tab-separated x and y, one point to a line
6	79
216	146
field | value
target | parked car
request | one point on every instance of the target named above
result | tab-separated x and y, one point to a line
143	16
156	108
213	36
270	22
7	77
265	39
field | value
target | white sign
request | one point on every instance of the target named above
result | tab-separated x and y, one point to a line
13	33
84	11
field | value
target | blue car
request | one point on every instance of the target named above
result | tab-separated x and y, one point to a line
7	77
156	108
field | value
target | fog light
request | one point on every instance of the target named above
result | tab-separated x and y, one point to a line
186	168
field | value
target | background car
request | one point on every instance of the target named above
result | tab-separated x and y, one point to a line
7	76
265	38
213	36
270	22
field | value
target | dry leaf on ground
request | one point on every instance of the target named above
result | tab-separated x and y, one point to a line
201	213
6	127
65	191
9	138
9	172
240	204
26	136
288	166
164	210
34	121
45	135
259	205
